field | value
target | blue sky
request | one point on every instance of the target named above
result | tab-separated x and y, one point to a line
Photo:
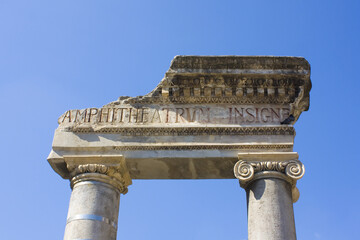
60	55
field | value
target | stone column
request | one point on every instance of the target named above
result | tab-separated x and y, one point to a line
97	183
270	183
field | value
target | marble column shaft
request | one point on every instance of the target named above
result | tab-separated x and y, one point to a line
270	210
93	209
270	183
94	203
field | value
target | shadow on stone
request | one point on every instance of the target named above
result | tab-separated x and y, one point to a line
259	189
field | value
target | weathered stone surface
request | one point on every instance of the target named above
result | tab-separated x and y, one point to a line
207	113
270	210
203	113
97	182
254	166
270	183
93	211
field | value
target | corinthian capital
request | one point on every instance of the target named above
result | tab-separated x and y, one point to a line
110	169
284	165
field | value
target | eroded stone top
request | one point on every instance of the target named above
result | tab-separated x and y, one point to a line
235	63
198	90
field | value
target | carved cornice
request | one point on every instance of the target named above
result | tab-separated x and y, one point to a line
193	131
287	147
222	99
103	168
233	80
229	80
253	166
223	90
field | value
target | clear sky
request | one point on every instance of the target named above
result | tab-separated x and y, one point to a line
60	55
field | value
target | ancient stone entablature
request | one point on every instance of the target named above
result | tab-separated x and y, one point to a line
211	117
209	108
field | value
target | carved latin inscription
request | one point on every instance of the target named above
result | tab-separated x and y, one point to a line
178	114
